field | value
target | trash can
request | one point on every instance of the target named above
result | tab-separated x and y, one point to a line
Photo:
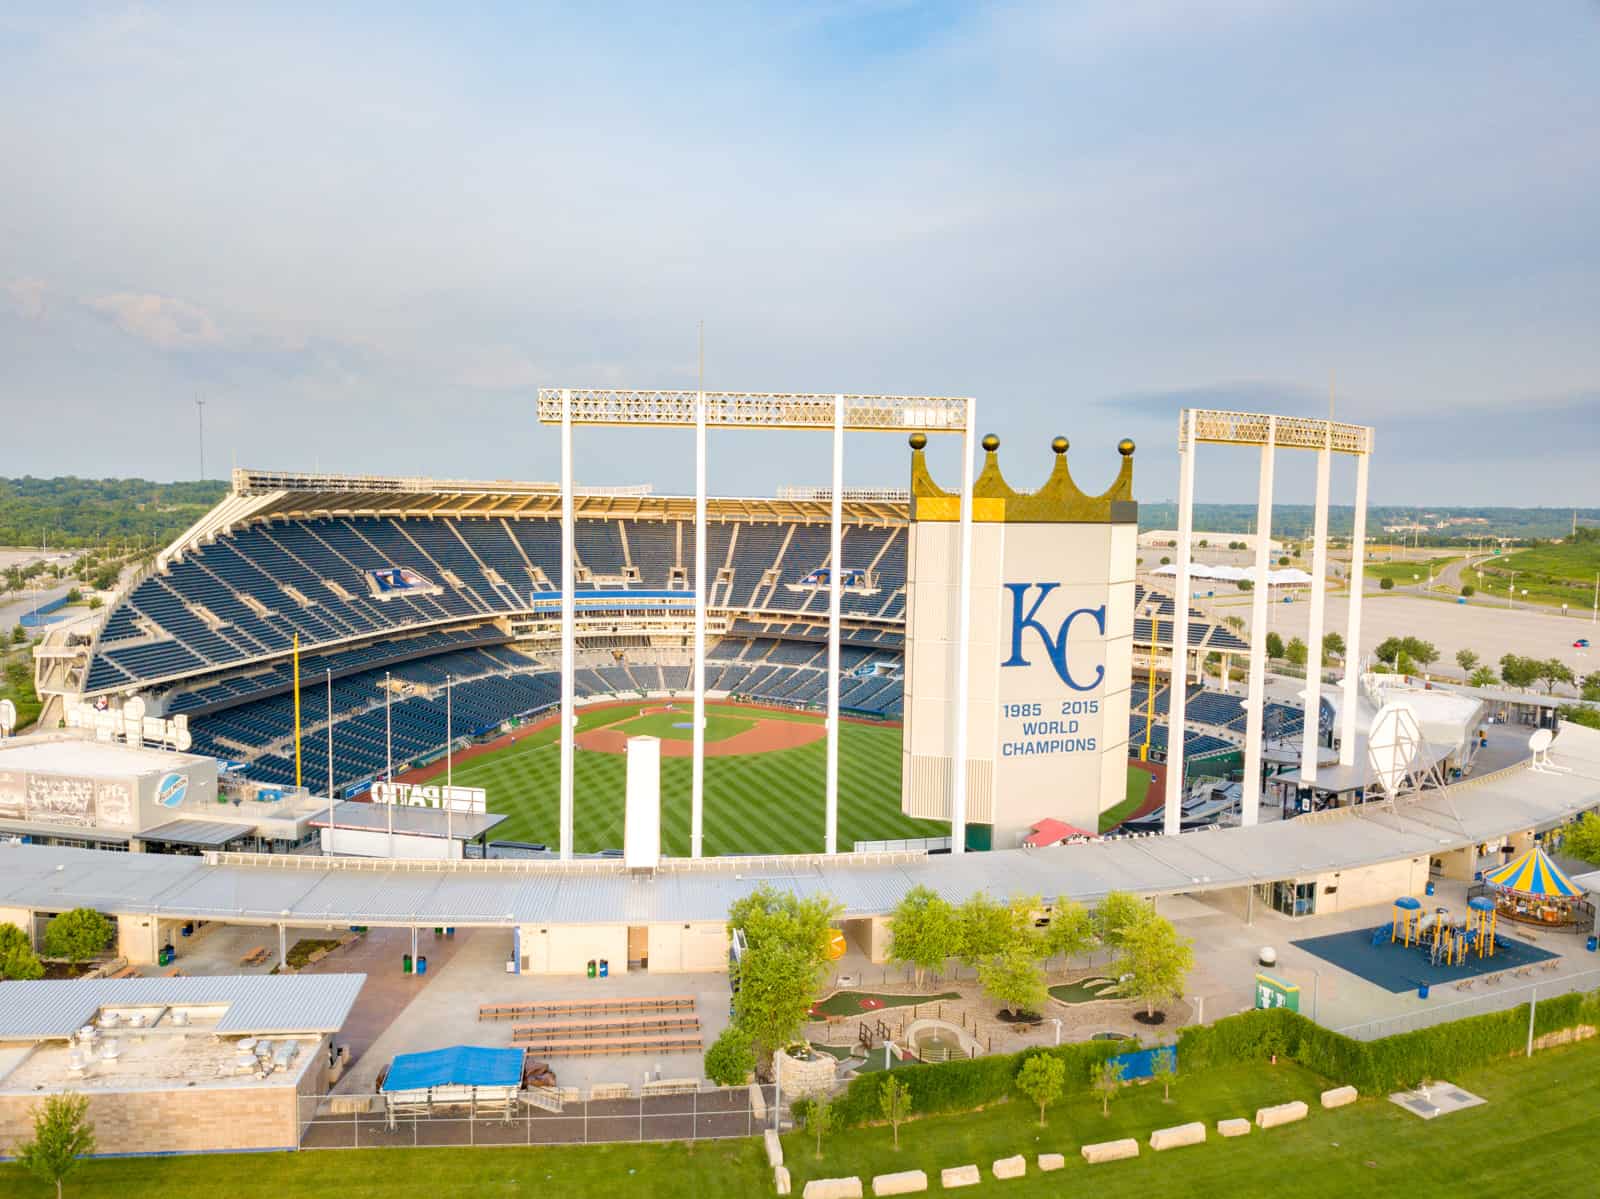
422	963
405	958
1594	942
591	967
1422	990
605	968
1428	890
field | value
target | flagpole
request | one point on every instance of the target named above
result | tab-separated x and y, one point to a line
449	774
330	759
297	709
388	755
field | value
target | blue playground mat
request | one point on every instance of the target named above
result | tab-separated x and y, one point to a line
1396	968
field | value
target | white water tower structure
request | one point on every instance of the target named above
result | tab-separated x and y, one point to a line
1269	433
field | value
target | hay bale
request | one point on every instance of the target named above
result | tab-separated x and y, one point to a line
960	1176
906	1182
1051	1161
774	1148
1283	1113
1011	1167
1339	1097
833	1188
1234	1128
1178	1136
1110	1151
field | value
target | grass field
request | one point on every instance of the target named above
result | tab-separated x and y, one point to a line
719	726
1551	574
1138	785
1406	573
1534	1135
755	803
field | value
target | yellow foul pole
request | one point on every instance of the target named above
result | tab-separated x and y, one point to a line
1150	687
297	709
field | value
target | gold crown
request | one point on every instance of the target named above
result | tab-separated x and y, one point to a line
1059	501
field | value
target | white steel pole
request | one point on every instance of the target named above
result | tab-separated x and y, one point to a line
830	839
1352	633
330	758
449	771
569	646
1256	700
697	786
958	785
1172	820
1311	735
388	755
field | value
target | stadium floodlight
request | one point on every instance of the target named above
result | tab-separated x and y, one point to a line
700	410
1268	432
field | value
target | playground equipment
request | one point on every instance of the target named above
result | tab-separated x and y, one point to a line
1482	916
1407	921
837	946
1446	942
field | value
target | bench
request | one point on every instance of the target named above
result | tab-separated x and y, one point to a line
544	1009
254	957
596	1046
586	1027
125	972
669	1086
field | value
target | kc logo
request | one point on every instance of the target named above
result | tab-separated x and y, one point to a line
1055	647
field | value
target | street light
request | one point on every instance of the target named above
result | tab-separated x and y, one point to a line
1511	591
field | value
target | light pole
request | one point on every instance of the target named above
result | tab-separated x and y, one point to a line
1511	591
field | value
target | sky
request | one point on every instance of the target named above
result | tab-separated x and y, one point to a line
366	237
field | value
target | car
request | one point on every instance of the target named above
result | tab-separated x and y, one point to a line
1581	643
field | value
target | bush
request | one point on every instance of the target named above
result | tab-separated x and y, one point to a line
17	959
1468	590
731	1058
1386	584
77	935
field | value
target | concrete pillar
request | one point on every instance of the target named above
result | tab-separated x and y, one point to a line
1172	822
1256	689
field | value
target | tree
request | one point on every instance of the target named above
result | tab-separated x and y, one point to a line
1588	717
782	967
1552	671
987	928
1423	653
1468	590
1389	650
1071	930
77	935
1274	645
894	1098
1164	1066
731	1058
1483	677
924	932
1013	979
1246	584
1591	685
62	1136
19	635
1119	912
1284	561
817	1114
1158	960
1517	671
17	959
1236	623
1105	1080
1041	1079
1332	643
1296	652
1386	584
1467	660
1166	561
1582	838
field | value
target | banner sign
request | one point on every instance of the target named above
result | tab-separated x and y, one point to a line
472	800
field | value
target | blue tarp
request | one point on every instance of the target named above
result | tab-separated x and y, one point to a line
1142	1062
458	1066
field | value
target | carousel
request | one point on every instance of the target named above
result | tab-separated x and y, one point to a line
1532	889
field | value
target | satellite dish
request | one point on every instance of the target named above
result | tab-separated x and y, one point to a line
133	710
1393	745
1538	743
8	716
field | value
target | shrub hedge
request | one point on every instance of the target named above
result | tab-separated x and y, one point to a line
1373	1067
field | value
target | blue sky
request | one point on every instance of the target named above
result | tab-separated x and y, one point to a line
366	237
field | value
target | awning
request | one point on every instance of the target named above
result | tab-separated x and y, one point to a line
458	1066
1536	875
207	834
1052	832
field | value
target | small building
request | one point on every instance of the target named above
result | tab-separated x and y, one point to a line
382	830
174	1065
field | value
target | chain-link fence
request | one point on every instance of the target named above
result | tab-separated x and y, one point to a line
544	1117
1505	996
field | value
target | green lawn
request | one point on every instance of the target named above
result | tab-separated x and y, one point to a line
1138	785
719	726
1085	990
848	1003
755	803
1534	1135
1402	571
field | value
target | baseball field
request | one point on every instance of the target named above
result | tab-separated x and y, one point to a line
764	779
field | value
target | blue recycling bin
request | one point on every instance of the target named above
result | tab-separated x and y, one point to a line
1594	943
605	968
1428	890
1422	990
422	963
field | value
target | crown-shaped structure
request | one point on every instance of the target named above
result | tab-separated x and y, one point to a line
1059	501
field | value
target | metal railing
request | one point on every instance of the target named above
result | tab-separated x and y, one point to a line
1499	1000
363	1121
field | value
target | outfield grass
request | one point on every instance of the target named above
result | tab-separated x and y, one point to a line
1533	1136
755	803
1138	786
719	726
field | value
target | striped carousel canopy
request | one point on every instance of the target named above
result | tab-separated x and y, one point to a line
1534	874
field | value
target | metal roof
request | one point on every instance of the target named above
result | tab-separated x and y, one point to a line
208	834
269	1004
301	889
408	821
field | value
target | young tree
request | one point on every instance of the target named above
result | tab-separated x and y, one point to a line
77	935
1041	1079
1159	961
1591	685
731	1058
1332	643
1012	978
1236	623
1389	650
1296	652
1468	591
1246	584
1483	677
987	928
817	1116
1071	932
924	932
1386	584
1467	660
17	959
62	1135
1582	839
1517	671
1553	671
1164	1065
1105	1080
783	965
1274	645
1423	653
1118	913
894	1098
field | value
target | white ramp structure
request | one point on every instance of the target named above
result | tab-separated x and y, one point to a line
779	411
641	823
1200	426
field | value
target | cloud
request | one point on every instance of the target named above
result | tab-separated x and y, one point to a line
164	322
27	296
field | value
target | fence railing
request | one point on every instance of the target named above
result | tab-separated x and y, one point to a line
363	1121
1502	999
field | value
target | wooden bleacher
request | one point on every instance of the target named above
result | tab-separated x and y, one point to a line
584	1046
545	1009
521	1033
